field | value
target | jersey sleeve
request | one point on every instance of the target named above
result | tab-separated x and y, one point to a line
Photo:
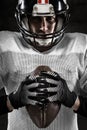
82	110
1	73
83	79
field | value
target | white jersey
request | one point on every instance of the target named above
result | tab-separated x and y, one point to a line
68	59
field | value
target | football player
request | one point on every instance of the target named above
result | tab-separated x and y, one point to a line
42	41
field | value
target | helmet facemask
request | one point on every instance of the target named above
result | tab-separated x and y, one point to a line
42	41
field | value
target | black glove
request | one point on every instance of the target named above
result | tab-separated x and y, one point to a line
60	88
29	93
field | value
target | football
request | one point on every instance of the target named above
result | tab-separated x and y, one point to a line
42	117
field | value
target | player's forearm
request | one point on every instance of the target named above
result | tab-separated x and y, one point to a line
76	104
80	106
9	105
5	105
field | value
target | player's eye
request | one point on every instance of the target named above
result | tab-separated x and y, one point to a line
36	19
51	19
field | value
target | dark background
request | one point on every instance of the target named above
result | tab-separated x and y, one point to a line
78	23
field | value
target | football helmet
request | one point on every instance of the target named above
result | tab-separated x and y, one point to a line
38	8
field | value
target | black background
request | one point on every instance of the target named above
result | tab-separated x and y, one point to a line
78	23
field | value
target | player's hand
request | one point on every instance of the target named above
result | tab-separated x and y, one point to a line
28	92
59	87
